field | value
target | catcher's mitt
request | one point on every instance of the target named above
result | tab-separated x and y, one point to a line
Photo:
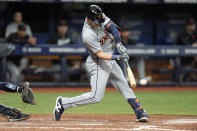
27	94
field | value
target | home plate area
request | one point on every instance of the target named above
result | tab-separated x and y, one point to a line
100	123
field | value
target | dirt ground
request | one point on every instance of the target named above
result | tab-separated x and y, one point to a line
100	123
82	122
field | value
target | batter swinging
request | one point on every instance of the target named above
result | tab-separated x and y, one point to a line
101	37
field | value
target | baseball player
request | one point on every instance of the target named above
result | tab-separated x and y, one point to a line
101	37
27	97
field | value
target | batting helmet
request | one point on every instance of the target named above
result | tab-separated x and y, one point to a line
95	14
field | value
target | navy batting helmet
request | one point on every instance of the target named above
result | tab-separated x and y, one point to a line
95	14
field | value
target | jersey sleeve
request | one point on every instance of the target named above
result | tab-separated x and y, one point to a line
92	43
106	20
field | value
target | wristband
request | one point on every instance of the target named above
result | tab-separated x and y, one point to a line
114	57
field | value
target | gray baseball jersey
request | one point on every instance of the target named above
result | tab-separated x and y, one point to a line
100	71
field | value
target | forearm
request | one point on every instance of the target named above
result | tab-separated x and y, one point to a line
112	28
104	56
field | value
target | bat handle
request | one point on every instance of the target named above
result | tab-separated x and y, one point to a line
127	63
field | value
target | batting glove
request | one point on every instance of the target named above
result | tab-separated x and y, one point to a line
123	57
121	49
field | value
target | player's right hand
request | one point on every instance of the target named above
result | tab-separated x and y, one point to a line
124	56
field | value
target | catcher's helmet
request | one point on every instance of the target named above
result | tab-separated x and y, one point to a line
95	14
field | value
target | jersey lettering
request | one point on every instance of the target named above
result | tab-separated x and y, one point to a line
104	39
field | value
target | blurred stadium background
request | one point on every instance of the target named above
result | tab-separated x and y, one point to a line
150	29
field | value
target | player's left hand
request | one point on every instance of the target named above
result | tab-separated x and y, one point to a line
124	57
121	49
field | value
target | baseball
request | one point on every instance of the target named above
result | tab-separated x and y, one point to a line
143	82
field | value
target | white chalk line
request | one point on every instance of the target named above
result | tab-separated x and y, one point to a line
59	124
151	127
143	127
158	128
70	128
181	121
37	126
55	126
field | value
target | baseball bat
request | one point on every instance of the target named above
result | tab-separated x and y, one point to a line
131	77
